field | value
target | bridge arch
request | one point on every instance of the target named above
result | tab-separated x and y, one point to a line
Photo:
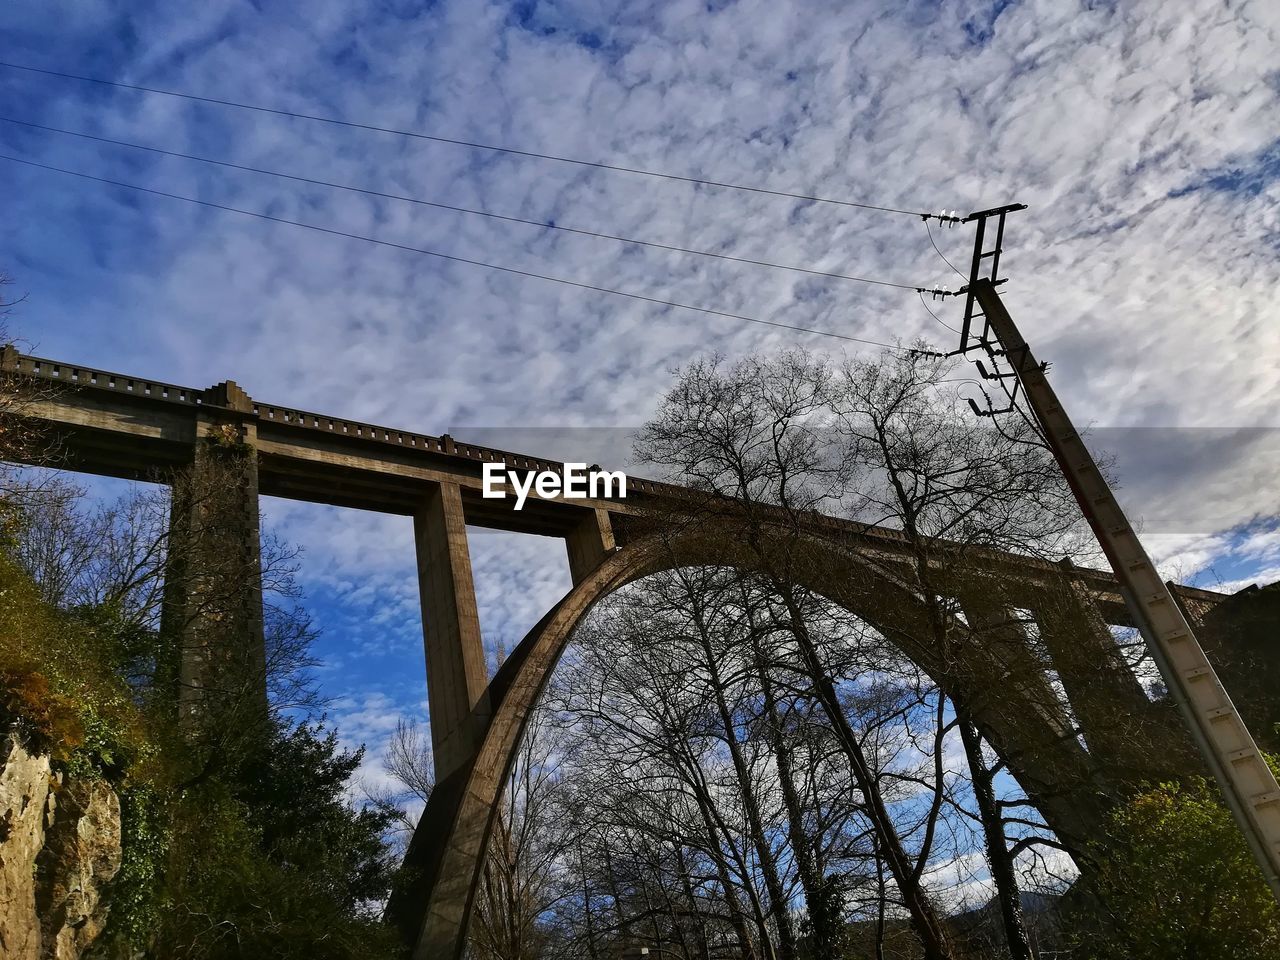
116	425
447	853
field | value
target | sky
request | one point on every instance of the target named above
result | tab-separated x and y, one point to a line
1144	138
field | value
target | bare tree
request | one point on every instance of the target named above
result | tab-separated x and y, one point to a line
123	563
521	880
409	760
22	441
728	762
532	839
651	765
749	433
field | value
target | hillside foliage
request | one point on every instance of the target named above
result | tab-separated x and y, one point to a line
256	852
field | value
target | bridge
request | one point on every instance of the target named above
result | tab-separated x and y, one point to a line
1060	748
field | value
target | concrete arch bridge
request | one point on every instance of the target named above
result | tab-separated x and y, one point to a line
121	426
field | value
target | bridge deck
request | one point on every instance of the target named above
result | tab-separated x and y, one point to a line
121	426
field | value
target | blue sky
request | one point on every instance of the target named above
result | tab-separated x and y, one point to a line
1141	135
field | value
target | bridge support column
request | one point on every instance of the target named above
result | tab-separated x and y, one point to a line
1003	633
212	612
589	543
1020	713
457	681
1123	729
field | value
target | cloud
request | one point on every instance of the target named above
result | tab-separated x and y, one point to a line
1141	135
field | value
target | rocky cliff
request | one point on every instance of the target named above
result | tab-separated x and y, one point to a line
59	848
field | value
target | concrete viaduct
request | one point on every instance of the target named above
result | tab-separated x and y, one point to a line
1062	678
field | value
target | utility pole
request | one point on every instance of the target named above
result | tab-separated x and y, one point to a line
1229	750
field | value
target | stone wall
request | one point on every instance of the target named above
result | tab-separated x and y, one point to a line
59	848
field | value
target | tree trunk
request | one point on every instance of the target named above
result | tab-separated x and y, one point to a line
704	950
755	822
924	919
592	952
998	859
737	916
825	927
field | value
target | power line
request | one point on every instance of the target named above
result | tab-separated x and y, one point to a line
446	206
943	255
617	168
447	256
934	315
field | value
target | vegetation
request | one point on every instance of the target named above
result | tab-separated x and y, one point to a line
258	854
239	840
58	688
269	860
1175	881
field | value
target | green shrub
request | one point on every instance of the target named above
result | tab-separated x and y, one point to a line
56	686
146	833
1175	881
258	854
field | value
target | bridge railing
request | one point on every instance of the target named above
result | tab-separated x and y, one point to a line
302	419
77	376
444	443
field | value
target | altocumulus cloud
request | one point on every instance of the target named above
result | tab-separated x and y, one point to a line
1141	135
